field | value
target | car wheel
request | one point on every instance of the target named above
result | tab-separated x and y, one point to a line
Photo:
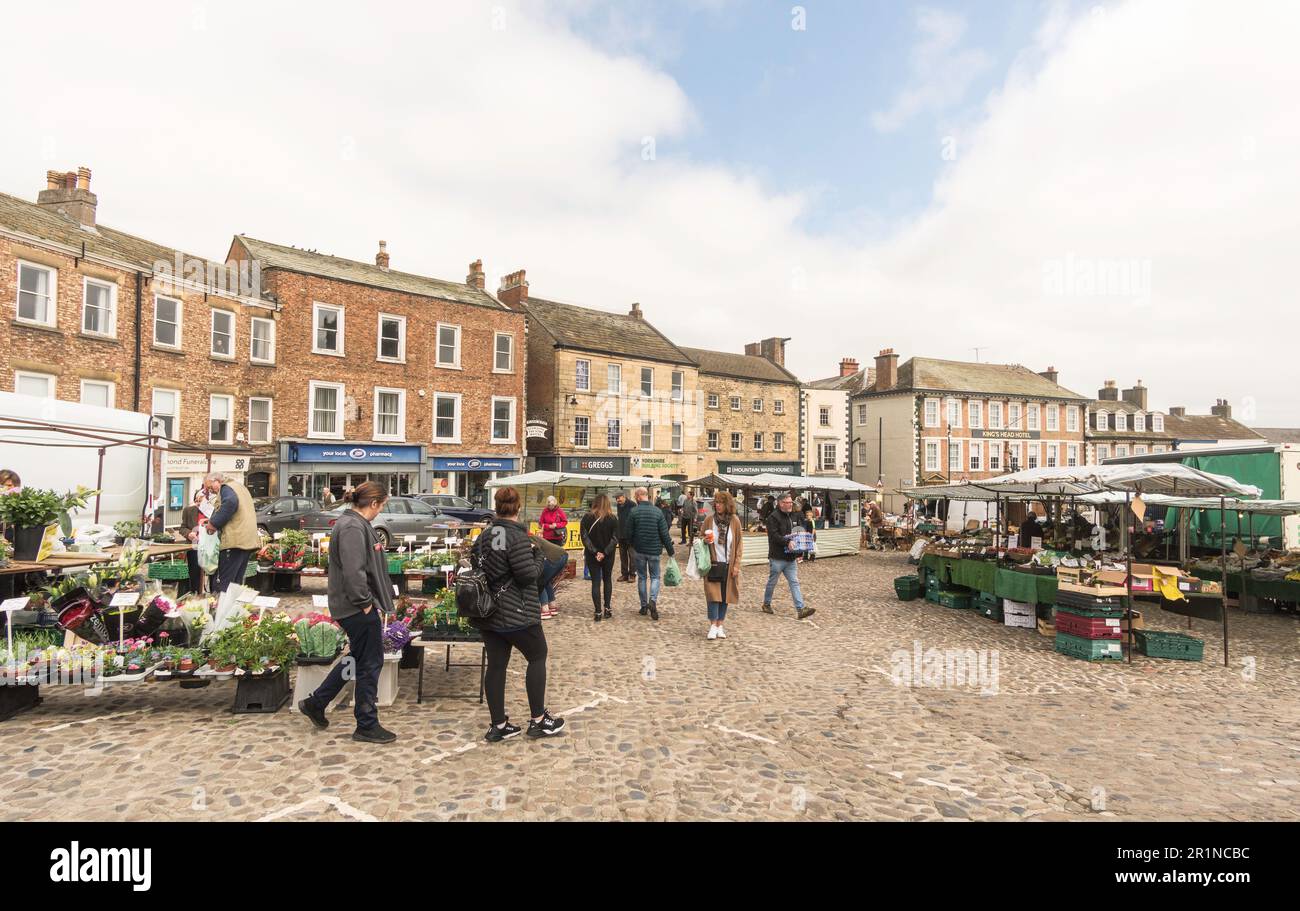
384	537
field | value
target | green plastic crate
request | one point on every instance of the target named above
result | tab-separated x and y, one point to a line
1089	649
992	611
1108	613
908	588
955	599
169	570
1157	644
988	599
932	594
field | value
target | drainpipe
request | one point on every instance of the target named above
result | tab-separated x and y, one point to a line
139	280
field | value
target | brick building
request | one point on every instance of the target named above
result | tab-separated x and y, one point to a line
608	392
100	316
751	411
990	418
1121	423
388	375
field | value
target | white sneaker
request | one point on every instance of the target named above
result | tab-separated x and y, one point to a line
713	632
722	633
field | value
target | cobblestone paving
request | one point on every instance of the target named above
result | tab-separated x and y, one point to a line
783	720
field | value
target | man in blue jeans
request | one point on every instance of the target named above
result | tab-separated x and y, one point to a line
648	531
780	528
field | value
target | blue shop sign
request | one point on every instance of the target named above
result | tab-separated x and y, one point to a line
469	463
354	453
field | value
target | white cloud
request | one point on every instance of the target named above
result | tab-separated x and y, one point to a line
452	139
942	71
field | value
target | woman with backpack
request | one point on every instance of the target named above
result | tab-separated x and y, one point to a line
722	534
513	567
599	529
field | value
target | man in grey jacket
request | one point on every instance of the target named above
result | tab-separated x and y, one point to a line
358	591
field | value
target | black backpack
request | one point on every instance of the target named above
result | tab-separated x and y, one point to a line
475	599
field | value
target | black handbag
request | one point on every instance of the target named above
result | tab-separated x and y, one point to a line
718	571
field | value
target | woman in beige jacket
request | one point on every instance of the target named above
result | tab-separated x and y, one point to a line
722	534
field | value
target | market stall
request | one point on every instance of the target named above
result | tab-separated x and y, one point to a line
573	491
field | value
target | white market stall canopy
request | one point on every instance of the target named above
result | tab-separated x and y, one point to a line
769	481
1158	478
571	479
1233	504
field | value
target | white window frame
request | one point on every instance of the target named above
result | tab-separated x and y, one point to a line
1071	418
339	403
735	402
975	414
714	401
860	454
1053	417
614	379
678	381
252	340
109	384
316	308
713	440
111	287
180	322
995	415
514	420
647	429
51	302
778	406
641	387
579	377
1159	448
1015	456
1103	452
823	416
1033	419
930	448
175	415
1015	415
956	460
1103	419
212	334
1157	423
437	350
401	338
614	432
952	410
994	455
1139	449
975	456
1140	422
737	441
36	374
1051	455
1072	455
931	413
496	351
758	441
455	397
677	436
1121	455
400	436
587	419
1121	421
270	420
1033	455
778	441
230	418
757	406
825	449
862	413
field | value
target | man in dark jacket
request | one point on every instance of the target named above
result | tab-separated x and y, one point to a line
625	507
513	566
648	531
359	591
780	526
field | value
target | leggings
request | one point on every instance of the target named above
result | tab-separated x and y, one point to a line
531	643
601	572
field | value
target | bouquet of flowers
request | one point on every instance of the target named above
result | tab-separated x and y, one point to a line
396	636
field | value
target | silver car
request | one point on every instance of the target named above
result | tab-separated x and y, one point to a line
401	516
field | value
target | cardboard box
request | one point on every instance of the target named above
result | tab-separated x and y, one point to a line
1137	623
1046	629
1070	574
1095	591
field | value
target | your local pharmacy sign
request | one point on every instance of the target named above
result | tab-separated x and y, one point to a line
349	452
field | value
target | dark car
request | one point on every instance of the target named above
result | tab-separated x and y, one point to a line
456	506
401	516
282	513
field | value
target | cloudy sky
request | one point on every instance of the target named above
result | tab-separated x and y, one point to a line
1110	189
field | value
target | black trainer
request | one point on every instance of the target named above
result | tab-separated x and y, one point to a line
496	734
609	614
317	715
376	734
644	610
547	727
596	617
654	611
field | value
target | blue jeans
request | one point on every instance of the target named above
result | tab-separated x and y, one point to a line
647	568
551	570
789	569
717	610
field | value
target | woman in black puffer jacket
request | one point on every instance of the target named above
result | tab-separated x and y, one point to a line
513	566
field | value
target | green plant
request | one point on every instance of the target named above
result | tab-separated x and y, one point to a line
32	507
127	528
318	636
256	646
6	552
292	539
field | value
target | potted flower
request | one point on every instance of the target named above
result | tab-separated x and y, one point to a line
320	639
30	510
6	552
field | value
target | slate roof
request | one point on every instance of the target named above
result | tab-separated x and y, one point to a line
292	259
925	374
1280	435
852	384
740	366
602	332
1208	427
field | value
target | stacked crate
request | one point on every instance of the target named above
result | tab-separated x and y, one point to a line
1019	613
908	588
988	605
1088	626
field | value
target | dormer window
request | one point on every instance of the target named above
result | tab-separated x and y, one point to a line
1103	420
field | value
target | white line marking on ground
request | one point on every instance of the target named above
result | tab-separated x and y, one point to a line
719	726
607	696
441	756
947	787
68	724
344	809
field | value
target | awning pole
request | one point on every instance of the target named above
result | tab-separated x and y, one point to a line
1128	576
1223	591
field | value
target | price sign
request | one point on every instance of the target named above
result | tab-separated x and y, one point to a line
394	589
452	542
125	599
247	596
12	604
318	535
264	601
277	536
322	601
429	540
409	539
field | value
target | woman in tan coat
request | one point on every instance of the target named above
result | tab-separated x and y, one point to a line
722	534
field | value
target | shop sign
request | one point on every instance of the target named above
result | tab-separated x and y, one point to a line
471	463
1005	434
536	430
751	468
640	462
586	465
353	452
197	462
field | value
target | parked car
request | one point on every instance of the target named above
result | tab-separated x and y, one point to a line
282	513
459	507
400	516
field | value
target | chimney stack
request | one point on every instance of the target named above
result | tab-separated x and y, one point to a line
1221	409
886	370
69	195
848	366
1137	396
1109	392
1178	411
1050	375
514	290
476	278
635	312
381	258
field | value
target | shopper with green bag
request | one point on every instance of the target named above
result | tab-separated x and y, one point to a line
672	573
648	531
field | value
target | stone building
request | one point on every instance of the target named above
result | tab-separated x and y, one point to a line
751	411
1121	423
826	443
608	392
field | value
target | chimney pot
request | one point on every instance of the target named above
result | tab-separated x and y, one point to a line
848	366
68	194
83	178
53	180
381	258
886	370
514	290
476	278
636	313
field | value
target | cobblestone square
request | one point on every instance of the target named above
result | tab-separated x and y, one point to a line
784	720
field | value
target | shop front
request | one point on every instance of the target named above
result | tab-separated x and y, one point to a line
752	468
465	476
308	469
183	475
617	465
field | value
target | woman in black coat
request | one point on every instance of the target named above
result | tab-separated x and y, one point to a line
513	567
599	530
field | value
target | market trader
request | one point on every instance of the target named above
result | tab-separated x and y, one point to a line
236	518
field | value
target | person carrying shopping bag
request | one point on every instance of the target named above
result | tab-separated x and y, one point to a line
721	533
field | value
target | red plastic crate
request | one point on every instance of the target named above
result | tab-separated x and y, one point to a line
1087	627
